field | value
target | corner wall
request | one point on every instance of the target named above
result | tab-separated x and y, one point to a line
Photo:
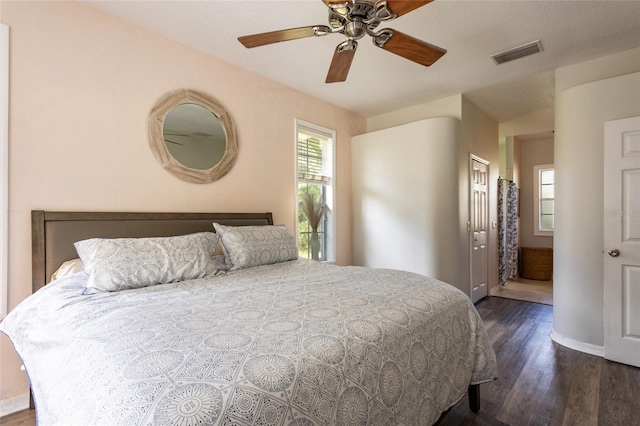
446	107
578	237
404	213
478	136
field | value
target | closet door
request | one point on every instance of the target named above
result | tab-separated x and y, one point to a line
479	227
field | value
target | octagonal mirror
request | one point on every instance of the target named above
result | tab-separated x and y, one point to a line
192	136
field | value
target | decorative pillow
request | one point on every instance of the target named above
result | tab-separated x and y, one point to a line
125	263
67	268
248	246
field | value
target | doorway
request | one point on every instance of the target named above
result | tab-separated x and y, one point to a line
521	193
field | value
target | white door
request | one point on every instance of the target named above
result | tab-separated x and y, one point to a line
622	241
479	223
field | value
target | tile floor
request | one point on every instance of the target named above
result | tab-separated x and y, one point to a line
527	290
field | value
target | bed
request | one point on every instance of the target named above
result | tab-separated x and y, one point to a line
262	339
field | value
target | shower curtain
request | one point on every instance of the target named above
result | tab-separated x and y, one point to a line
507	231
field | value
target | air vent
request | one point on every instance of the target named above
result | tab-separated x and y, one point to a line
518	52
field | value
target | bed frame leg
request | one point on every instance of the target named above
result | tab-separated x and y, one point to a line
474	398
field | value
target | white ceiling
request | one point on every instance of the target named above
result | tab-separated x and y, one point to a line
569	31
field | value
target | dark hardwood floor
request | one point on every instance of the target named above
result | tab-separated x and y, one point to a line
543	383
540	382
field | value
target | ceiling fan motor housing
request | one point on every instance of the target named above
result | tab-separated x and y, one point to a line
355	30
356	19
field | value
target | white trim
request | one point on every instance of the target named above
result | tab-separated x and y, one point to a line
331	243
4	167
577	345
536	200
13	405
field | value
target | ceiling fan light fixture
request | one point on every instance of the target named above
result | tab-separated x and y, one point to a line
517	52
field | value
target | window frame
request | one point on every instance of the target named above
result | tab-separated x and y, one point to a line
329	219
537	200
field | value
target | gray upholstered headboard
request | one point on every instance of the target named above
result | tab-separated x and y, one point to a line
53	233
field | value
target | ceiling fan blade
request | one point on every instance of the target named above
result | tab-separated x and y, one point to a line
341	62
409	47
271	37
402	7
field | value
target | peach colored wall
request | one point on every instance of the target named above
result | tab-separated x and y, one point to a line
81	86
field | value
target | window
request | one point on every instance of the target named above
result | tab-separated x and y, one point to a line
315	160
543	199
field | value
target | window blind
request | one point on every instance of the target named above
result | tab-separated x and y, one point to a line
315	157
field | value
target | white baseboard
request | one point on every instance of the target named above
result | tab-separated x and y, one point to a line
13	405
577	345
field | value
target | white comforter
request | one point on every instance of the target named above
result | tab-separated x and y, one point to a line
297	343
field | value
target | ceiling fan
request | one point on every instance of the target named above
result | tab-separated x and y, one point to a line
355	19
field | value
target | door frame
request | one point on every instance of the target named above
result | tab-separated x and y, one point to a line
472	158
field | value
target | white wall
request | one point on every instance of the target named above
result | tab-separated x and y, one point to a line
405	209
578	237
536	122
615	65
478	136
446	107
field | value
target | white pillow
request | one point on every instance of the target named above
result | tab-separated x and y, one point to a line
67	268
125	263
248	246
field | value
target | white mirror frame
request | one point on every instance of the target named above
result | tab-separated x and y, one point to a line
159	148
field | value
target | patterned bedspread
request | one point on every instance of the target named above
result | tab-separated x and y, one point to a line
298	343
